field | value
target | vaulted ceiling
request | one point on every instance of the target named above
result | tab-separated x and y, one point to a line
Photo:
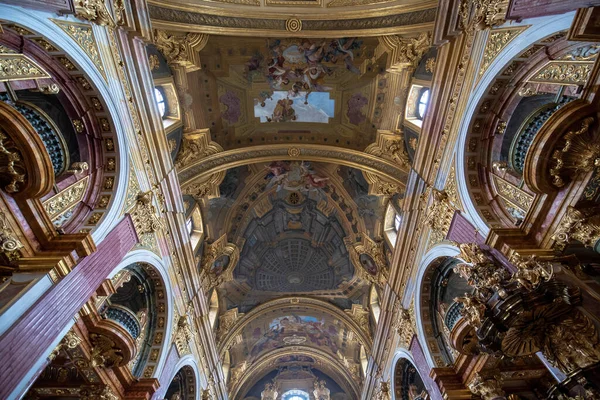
301	161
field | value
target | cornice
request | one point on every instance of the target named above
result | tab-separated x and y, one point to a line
266	25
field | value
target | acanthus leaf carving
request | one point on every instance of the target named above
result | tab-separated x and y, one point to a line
94	11
581	225
195	146
143	215
405	52
181	50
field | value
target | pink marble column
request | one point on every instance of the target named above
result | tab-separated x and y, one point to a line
423	369
167	374
29	338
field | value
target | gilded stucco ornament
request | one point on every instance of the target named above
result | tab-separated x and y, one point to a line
219	260
144	215
12	169
383	391
488	388
105	352
227	321
439	214
183	335
531	272
481	14
390	146
368	257
271	392
69	341
580	153
404	324
361	316
94	11
195	146
405	52
10	245
473	309
181	50
581	225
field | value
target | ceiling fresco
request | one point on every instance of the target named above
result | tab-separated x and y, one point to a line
294	224
254	91
295	326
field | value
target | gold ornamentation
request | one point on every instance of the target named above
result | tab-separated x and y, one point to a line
219	250
404	324
513	195
579	154
501	127
496	42
530	272
580	225
119	10
84	36
12	169
383	391
488	389
183	336
361	317
390	146
451	188
294	152
144	216
195	146
439	214
94	11
70	341
78	125
14	67
50	89
153	62
78	167
181	50
10	245
430	65
481	14
564	72
270	392
227	320
381	187
293	25
480	271
368	257
66	199
473	309
404	52
104	352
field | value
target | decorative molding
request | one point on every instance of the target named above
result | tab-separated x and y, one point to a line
66	199
14	67
512	194
355	3
580	225
564	72
181	50
94	11
405	324
497	40
83	35
487	389
143	215
439	214
195	146
293	25
481	14
12	168
214	251
10	245
360	315
368	257
580	153
405	52
69	341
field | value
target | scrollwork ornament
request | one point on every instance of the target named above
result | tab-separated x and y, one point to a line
488	388
530	271
144	216
94	11
581	225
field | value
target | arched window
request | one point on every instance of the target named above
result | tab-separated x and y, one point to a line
397	221
160	101
422	105
295	395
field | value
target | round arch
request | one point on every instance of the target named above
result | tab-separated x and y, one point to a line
330	365
439	251
203	168
403	355
39	23
542	28
283	304
189	362
151	259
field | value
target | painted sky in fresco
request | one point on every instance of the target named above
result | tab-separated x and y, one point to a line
319	108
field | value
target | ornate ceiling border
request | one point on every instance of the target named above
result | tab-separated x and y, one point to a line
293	302
203	168
193	21
329	365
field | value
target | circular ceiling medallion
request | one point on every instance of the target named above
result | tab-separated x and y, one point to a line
293	25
